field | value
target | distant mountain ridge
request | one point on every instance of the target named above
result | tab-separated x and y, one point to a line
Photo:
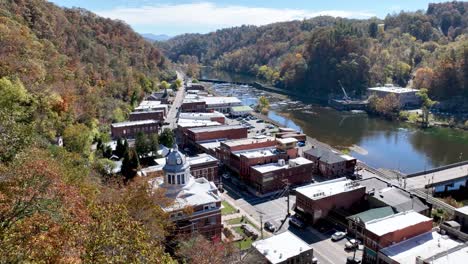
154	37
311	55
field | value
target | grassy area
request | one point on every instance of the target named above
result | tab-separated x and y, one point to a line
245	243
235	221
239	220
227	208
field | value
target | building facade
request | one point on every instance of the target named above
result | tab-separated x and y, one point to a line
196	205
206	166
224	132
317	200
330	163
131	128
147	115
275	176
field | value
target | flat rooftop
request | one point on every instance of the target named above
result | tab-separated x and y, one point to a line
210	144
256	153
327	155
286	140
463	210
395	222
457	255
147	102
184	123
279	248
146	112
149	107
264	168
135	123
242	108
216	128
393	89
200	115
316	191
201	158
248	141
425	246
438	177
217	100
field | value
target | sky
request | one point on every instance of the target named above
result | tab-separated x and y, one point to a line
184	16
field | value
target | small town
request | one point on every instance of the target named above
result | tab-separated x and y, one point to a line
233	132
283	197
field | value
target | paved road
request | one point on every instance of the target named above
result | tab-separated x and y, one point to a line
171	117
273	209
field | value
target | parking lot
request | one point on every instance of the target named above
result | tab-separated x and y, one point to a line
273	209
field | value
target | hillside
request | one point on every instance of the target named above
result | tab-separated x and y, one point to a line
429	47
69	72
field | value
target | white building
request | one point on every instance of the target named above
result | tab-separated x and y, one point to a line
282	248
241	110
185	192
406	96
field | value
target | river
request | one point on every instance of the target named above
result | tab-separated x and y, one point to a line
379	143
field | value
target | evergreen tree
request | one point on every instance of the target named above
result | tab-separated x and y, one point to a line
119	149
373	29
141	144
153	143
130	164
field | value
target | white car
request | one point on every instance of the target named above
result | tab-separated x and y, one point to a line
338	236
351	244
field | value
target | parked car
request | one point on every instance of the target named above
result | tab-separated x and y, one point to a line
338	235
296	222
269	226
301	144
315	260
263	130
351	244
351	260
260	121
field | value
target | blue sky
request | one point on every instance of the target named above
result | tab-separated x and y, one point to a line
178	16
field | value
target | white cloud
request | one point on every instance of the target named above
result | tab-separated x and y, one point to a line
206	14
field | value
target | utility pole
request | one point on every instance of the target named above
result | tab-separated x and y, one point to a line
261	225
287	198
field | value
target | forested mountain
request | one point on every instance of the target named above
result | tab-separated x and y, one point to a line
69	72
312	55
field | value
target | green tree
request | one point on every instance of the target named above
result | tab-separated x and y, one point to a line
130	164
167	137
373	29
164	85
263	104
427	103
153	143
141	144
78	138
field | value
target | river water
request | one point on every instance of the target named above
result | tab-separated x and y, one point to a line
378	142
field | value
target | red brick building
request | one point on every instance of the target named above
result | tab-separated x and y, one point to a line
224	132
317	200
147	115
228	147
274	176
131	128
329	163
193	105
204	165
381	233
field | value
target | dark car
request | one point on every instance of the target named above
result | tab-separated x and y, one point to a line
269	226
296	222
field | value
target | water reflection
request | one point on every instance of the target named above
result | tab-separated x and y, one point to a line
379	143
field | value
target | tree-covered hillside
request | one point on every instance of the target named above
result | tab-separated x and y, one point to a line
69	72
428	47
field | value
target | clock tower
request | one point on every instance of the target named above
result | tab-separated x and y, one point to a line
176	170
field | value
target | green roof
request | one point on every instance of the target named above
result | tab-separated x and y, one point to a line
372	214
242	108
